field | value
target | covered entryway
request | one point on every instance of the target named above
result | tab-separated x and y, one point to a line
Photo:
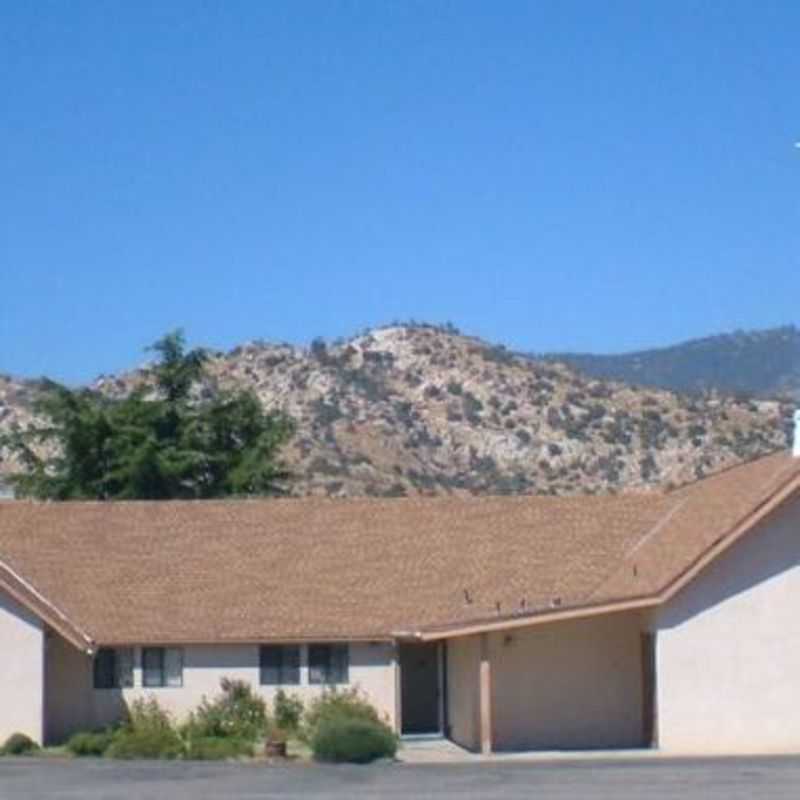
421	693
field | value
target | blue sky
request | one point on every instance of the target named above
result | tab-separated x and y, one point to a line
570	175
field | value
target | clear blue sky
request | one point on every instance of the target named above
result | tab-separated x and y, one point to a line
550	175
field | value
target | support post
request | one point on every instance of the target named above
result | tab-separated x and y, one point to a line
485	696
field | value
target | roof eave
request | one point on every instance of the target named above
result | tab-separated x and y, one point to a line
783	494
32	600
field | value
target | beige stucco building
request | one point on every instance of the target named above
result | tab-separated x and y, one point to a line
665	620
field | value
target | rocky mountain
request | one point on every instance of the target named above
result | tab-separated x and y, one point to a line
421	409
764	363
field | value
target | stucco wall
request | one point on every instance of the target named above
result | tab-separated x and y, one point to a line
463	674
68	687
728	649
21	671
372	669
569	685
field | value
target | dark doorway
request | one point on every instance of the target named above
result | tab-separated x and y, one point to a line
420	693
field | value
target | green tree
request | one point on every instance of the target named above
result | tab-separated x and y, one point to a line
161	441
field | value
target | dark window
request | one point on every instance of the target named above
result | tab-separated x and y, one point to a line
113	669
328	663
105	668
162	666
280	665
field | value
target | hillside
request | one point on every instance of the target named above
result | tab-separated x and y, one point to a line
764	363
419	409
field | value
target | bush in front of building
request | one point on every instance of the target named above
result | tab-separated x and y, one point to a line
288	710
345	726
238	713
18	744
148	733
352	740
337	703
90	743
218	749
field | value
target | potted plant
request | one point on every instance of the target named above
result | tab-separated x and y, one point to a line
276	743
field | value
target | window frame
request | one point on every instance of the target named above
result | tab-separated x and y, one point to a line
335	670
286	667
164	678
114	664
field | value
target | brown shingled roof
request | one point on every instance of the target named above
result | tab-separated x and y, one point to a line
256	570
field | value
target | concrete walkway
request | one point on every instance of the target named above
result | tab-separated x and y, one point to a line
434	750
438	750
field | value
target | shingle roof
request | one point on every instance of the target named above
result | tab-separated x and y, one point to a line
255	570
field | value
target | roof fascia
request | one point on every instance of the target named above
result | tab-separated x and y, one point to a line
28	597
759	514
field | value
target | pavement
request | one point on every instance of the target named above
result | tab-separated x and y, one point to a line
655	779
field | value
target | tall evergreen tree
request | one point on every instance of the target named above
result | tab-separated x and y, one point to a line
161	441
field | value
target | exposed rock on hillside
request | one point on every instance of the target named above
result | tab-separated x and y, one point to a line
419	409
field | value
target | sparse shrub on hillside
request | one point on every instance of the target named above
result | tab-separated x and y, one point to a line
472	408
406	413
600	391
455	388
372	389
554	418
379	359
327	412
648	468
523	437
322	466
497	354
319	351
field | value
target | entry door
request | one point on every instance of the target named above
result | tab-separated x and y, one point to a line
420	688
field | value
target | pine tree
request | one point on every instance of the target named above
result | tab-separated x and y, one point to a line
162	441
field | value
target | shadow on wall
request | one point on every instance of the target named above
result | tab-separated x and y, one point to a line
71	702
766	552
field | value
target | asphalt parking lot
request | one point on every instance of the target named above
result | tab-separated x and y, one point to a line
725	779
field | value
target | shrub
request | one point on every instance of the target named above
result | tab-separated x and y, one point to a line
90	743
353	740
148	733
18	744
211	749
288	711
238	713
130	744
337	704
